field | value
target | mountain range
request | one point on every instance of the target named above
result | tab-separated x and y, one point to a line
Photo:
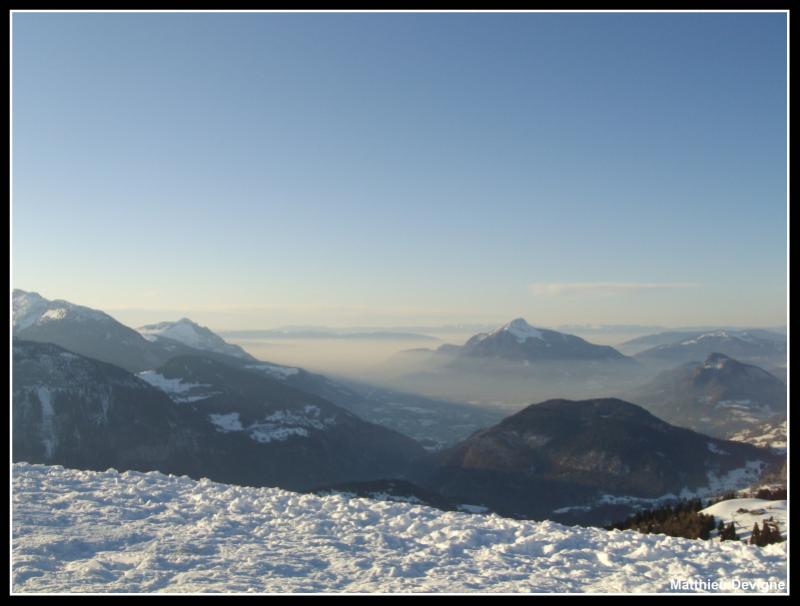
91	393
720	396
760	347
514	364
192	416
649	341
519	341
95	334
92	333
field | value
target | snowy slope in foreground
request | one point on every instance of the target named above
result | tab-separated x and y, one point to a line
147	532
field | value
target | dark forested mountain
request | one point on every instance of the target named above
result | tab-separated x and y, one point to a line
434	423
559	458
97	335
720	397
78	412
196	416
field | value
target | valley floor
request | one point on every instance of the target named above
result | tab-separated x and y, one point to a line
147	532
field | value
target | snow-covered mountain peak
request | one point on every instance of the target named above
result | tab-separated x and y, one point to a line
518	340
30	308
193	335
520	330
184	331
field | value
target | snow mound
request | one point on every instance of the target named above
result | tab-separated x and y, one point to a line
146	532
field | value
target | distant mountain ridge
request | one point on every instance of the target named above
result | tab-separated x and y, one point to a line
758	347
371	335
645	342
720	396
518	340
514	363
83	330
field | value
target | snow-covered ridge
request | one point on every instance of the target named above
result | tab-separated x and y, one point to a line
718	334
745	513
184	330
192	335
741	335
147	532
30	308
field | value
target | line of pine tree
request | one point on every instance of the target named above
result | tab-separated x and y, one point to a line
767	534
679	520
772	494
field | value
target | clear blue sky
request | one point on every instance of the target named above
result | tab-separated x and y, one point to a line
260	169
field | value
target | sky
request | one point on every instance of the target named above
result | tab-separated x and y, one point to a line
257	170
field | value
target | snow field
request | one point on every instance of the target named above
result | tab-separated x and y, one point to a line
744	513
147	532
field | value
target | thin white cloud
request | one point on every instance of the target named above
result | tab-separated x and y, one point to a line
604	289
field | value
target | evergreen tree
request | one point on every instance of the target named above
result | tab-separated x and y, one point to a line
728	533
770	533
755	537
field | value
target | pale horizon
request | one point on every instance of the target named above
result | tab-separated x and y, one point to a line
243	318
